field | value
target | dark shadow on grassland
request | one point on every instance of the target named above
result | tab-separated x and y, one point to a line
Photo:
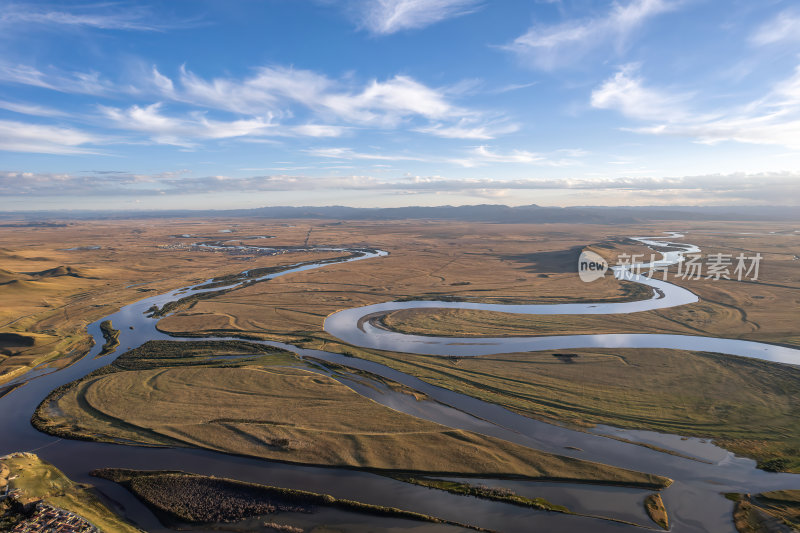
553	262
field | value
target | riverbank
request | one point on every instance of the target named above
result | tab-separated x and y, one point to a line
260	402
32	481
180	498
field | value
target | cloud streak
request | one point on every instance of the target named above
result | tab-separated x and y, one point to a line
560	45
97	16
785	27
384	17
44	139
268	102
773	119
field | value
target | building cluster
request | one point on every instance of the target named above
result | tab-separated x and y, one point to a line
232	250
49	519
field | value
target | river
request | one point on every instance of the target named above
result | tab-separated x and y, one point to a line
694	501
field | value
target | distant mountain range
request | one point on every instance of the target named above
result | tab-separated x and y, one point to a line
473	213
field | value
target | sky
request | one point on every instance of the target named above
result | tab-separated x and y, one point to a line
381	103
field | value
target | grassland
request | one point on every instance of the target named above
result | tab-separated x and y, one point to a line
748	406
428	260
36	480
761	310
262	408
677	392
484	492
655	508
55	280
768	512
179	498
507	263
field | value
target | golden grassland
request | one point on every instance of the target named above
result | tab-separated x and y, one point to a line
428	260
768	512
49	293
507	263
749	406
290	414
763	310
38	480
655	508
521	263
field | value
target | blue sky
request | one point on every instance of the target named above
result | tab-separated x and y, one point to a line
210	104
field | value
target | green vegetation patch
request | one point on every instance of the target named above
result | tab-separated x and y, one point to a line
192	498
484	492
163	354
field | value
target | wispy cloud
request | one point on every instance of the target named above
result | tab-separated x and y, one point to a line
277	91
772	119
483	155
178	131
350	154
553	46
104	16
783	27
391	103
55	80
383	17
272	89
31	109
626	92
295	102
44	139
467	129
513	87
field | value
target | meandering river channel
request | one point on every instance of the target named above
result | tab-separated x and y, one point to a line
694	501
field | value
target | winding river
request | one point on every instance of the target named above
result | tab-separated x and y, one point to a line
694	501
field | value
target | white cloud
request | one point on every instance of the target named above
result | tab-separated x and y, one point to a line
98	16
318	130
784	27
162	83
465	129
180	131
295	102
268	89
483	155
31	109
74	82
383	17
348	153
766	188
773	119
514	87
378	103
516	156
396	98
555	46
44	139
626	93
